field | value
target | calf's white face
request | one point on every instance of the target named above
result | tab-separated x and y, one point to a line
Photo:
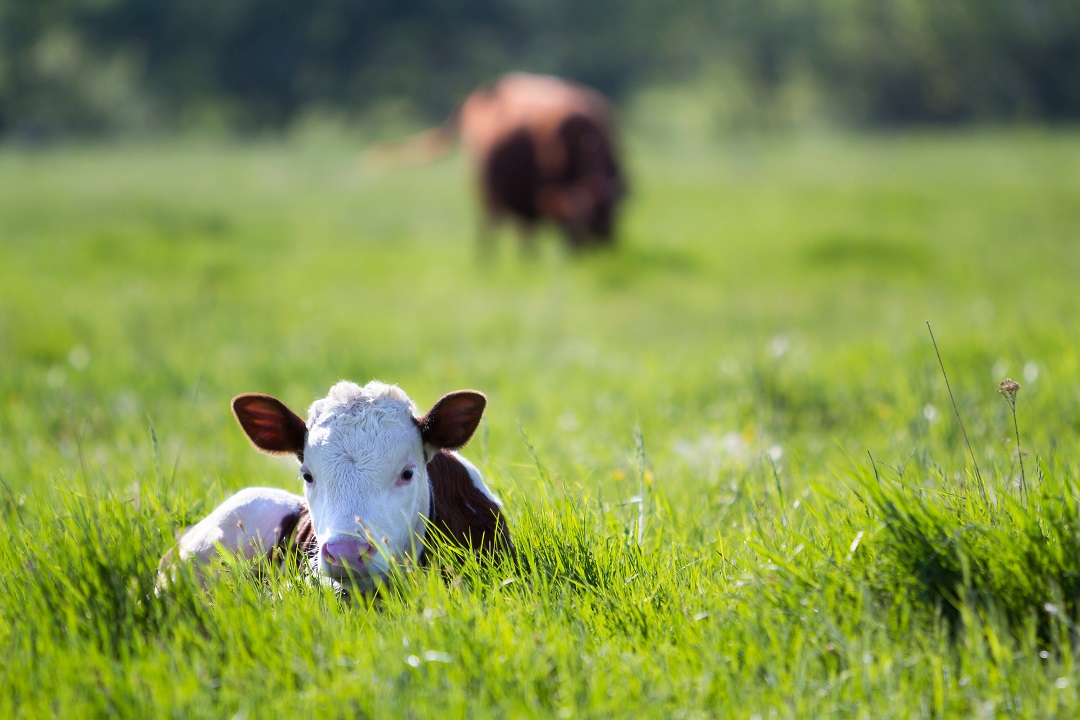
364	455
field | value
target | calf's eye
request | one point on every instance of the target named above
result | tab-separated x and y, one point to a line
407	474
308	478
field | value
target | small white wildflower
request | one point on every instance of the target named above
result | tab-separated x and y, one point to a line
734	444
56	377
436	656
125	404
778	346
1031	371
79	357
568	422
982	311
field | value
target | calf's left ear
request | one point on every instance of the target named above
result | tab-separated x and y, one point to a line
270	425
452	420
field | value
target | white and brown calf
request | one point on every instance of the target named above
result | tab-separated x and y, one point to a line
377	480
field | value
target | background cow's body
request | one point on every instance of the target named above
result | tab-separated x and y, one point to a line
377	479
541	148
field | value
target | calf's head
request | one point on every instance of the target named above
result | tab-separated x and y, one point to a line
363	456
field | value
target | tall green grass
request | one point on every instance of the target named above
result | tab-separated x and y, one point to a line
735	481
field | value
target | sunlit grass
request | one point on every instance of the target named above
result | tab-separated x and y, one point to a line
735	480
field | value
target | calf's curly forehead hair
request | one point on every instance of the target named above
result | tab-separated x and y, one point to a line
349	399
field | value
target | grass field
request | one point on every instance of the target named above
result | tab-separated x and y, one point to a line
727	449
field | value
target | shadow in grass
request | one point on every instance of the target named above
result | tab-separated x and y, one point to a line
174	226
949	549
867	252
626	265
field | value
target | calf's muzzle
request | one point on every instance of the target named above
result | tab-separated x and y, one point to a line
347	553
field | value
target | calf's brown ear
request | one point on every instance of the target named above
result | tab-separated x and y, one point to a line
270	426
452	420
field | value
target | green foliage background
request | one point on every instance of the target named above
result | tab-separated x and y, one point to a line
108	67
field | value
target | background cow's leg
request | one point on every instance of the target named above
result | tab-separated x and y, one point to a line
485	236
527	230
577	237
249	524
487	227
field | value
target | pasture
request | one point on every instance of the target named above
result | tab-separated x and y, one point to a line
682	431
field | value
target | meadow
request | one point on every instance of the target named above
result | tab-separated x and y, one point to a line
727	450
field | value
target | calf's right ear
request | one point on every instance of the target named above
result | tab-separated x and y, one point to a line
453	419
270	426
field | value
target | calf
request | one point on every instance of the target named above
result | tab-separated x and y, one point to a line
377	479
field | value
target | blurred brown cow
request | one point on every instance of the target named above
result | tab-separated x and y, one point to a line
541	148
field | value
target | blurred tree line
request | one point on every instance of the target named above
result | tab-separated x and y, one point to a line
114	66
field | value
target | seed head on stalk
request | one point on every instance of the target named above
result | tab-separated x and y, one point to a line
1008	389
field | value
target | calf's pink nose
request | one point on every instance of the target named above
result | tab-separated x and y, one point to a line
350	552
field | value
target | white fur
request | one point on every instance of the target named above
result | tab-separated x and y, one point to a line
247	524
477	480
359	440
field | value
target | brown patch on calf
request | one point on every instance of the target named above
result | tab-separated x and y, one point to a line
296	537
463	514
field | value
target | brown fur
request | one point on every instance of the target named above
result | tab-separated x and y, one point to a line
541	149
297	537
463	514
452	420
270	425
